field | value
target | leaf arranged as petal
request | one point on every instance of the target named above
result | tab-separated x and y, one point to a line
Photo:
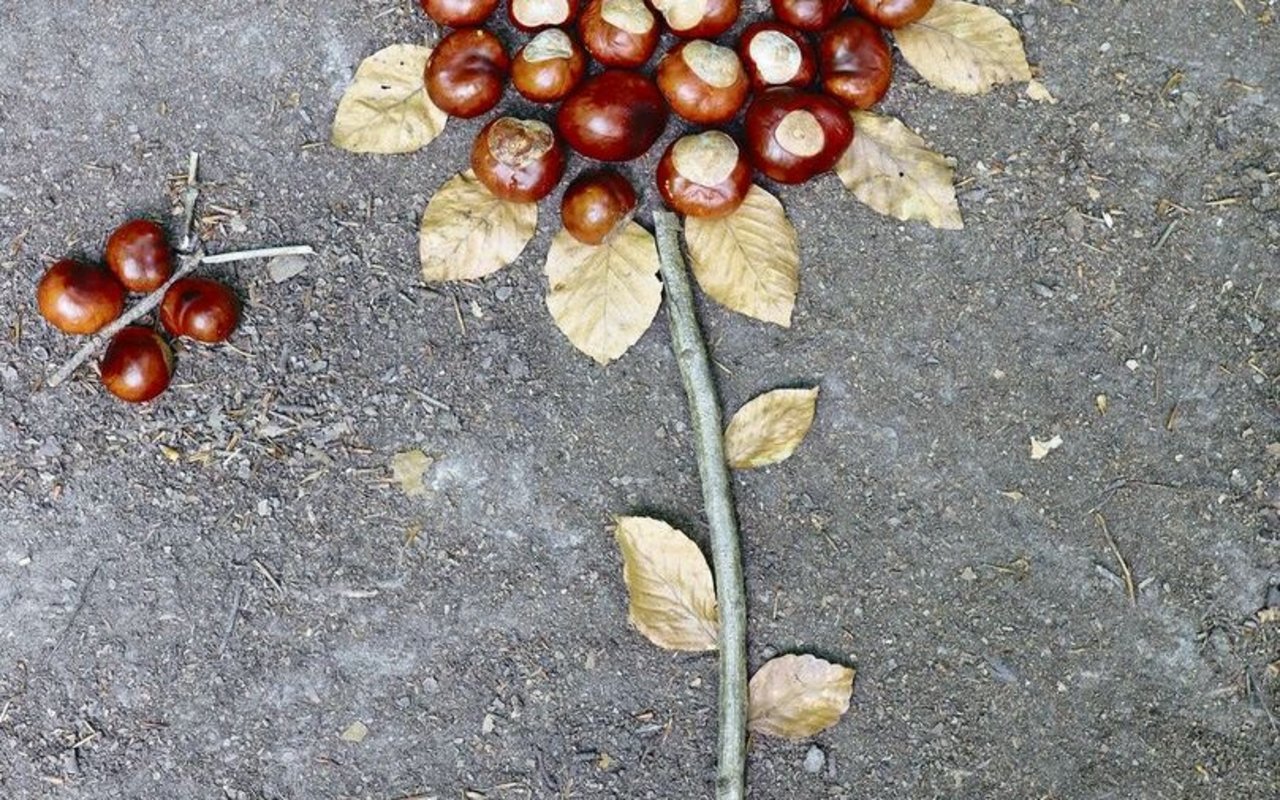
964	48
386	108
889	168
748	261
770	427
604	297
673	597
467	232
795	697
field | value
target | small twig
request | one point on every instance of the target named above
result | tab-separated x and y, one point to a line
231	621
717	494
75	614
1129	588
266	252
189	197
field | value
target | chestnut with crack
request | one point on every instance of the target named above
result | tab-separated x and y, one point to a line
518	159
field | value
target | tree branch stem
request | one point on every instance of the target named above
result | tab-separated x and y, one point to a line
717	495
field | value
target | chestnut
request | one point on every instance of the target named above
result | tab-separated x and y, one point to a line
548	67
892	13
200	308
597	204
704	175
794	135
613	116
533	15
703	82
808	15
466	71
518	159
698	19
139	255
79	298
776	54
459	13
619	33
856	62
138	365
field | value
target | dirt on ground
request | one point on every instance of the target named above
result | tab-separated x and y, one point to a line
223	594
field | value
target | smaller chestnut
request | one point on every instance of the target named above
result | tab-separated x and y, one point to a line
619	33
597	204
794	135
79	298
614	116
698	19
856	62
776	54
703	82
139	255
200	308
518	159
704	175
548	67
466	72
459	13
137	365
533	15
808	15
892	13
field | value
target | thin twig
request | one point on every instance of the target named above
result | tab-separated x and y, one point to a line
75	614
717	495
1129	587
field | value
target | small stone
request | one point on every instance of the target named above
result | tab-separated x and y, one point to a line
1073	225
355	733
814	760
283	268
503	293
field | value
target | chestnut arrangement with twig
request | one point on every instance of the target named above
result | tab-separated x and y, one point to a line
82	299
796	76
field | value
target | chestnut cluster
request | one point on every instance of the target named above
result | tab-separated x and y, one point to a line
797	76
80	299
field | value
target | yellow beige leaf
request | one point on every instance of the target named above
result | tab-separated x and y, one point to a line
889	168
467	232
1040	93
964	48
770	427
795	697
673	598
604	297
748	261
386	108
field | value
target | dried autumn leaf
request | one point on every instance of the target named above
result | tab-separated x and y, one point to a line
604	297
386	108
748	261
673	597
795	697
964	48
408	469
769	428
467	232
889	168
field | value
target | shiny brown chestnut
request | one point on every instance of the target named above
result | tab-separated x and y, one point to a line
137	365
619	33
704	175
698	19
534	15
597	204
139	255
459	13
808	15
856	62
548	67
518	159
776	54
79	298
703	82
466	72
614	116
892	13
200	308
794	135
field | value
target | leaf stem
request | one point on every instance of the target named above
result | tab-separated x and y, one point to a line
717	496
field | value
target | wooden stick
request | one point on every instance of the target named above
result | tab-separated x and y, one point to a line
717	496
